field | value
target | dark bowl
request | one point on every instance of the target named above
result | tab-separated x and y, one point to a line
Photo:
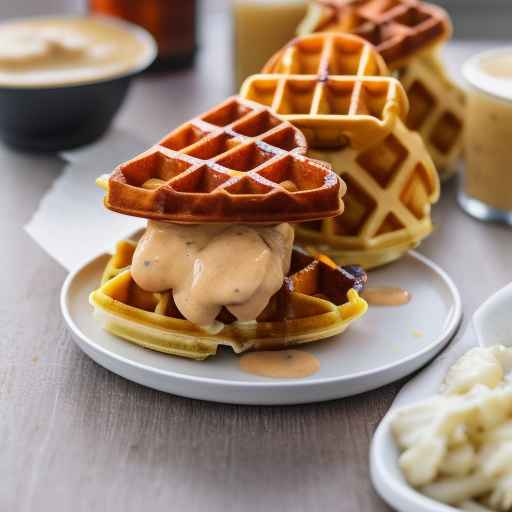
63	117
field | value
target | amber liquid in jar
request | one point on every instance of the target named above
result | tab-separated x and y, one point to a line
171	22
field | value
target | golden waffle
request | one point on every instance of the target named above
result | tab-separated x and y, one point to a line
391	179
317	300
236	163
437	110
327	54
408	34
391	187
332	111
399	29
361	110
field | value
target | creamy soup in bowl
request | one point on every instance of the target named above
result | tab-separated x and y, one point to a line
63	78
59	51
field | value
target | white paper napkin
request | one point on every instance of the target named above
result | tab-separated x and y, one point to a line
71	223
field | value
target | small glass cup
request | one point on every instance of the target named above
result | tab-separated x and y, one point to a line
261	28
486	187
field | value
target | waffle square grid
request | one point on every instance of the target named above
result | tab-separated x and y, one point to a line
327	54
399	29
408	33
389	200
334	111
333	87
236	163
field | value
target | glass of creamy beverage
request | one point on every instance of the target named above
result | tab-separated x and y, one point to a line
486	188
261	28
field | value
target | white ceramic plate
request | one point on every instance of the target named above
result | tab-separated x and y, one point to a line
386	345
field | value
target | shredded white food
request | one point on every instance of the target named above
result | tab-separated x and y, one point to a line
457	446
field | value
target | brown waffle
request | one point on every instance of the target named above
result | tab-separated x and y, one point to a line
317	300
346	107
236	163
399	29
408	34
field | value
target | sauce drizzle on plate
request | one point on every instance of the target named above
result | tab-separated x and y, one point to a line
386	296
280	364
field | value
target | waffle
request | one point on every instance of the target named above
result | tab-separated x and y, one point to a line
332	111
321	83
408	34
317	300
327	54
399	29
236	163
437	110
391	178
346	104
391	187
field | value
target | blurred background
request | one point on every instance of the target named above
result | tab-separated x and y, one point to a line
467	14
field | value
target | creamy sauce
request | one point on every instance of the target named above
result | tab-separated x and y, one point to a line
498	66
211	266
488	147
386	296
282	364
59	51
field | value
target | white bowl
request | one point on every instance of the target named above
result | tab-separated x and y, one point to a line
388	479
493	325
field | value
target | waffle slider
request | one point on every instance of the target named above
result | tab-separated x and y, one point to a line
216	264
317	300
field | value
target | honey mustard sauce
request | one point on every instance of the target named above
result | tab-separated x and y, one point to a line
386	296
54	51
281	364
211	266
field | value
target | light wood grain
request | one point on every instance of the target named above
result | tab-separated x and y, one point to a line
75	437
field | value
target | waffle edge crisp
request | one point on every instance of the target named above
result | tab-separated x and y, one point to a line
237	163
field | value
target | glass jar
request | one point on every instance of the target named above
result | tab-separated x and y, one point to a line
486	187
171	22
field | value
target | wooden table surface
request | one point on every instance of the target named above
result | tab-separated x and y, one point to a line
73	436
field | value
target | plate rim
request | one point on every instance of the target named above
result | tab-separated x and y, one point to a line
444	338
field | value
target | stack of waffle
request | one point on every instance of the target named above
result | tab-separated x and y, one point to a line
409	35
336	88
238	163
